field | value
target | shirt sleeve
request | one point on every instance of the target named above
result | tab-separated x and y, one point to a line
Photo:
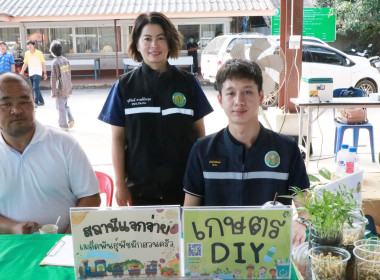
26	57
83	180
42	59
113	109
53	78
193	182
11	59
202	106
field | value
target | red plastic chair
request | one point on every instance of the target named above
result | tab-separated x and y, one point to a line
105	186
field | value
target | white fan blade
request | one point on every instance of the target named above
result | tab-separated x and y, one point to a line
268	84
258	46
238	51
271	61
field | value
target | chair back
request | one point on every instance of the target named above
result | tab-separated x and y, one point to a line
105	186
348	92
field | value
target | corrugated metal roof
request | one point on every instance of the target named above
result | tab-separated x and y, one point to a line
32	8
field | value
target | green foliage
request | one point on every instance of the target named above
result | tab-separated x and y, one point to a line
360	16
328	210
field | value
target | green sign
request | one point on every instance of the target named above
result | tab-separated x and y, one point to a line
317	22
237	243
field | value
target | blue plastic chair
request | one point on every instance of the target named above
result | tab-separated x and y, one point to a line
341	127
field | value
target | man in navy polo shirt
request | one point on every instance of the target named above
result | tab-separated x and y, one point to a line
244	164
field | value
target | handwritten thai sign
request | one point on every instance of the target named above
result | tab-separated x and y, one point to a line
237	243
126	242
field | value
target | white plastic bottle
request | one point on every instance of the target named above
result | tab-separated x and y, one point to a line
341	157
352	163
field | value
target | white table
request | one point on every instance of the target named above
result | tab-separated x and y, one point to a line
347	102
180	61
80	62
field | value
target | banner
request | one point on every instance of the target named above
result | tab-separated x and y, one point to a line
126	242
237	243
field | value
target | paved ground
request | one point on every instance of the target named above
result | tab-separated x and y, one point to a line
95	136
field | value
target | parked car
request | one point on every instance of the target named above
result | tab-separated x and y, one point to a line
318	60
346	70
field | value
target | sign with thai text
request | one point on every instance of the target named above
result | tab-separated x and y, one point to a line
126	242
237	243
317	22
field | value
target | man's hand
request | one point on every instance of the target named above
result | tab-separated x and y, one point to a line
299	234
25	227
123	196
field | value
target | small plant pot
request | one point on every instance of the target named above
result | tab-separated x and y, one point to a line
369	241
367	258
352	233
316	238
328	262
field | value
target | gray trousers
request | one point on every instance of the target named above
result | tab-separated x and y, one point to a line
64	113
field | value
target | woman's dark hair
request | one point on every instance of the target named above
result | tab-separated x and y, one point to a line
56	48
173	36
237	68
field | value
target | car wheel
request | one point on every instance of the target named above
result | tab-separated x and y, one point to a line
367	86
270	100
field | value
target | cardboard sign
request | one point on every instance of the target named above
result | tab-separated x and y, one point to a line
237	243
126	242
352	182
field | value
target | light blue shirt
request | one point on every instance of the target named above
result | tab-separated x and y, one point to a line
6	61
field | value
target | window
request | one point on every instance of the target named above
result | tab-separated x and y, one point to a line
107	39
202	34
322	55
208	32
96	39
87	39
41	37
189	30
64	36
11	36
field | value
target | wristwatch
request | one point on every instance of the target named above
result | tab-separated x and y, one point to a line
303	221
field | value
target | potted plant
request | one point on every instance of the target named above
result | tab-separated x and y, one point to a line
328	211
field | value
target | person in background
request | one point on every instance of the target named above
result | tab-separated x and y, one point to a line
192	50
156	114
35	62
43	171
244	164
61	86
7	61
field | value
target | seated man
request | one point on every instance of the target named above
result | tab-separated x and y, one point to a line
43	171
244	164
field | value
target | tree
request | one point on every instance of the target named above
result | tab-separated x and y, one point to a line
359	16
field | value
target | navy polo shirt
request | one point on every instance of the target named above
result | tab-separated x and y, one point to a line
223	172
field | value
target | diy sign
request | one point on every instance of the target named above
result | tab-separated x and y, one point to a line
237	243
126	242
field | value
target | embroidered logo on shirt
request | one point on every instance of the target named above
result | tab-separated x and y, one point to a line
272	159
179	99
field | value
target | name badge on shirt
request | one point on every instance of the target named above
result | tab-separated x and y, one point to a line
219	163
139	102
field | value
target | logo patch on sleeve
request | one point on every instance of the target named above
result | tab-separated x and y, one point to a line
272	159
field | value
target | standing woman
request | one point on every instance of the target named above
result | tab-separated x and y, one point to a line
156	113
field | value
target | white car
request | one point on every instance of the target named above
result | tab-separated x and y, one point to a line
319	60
